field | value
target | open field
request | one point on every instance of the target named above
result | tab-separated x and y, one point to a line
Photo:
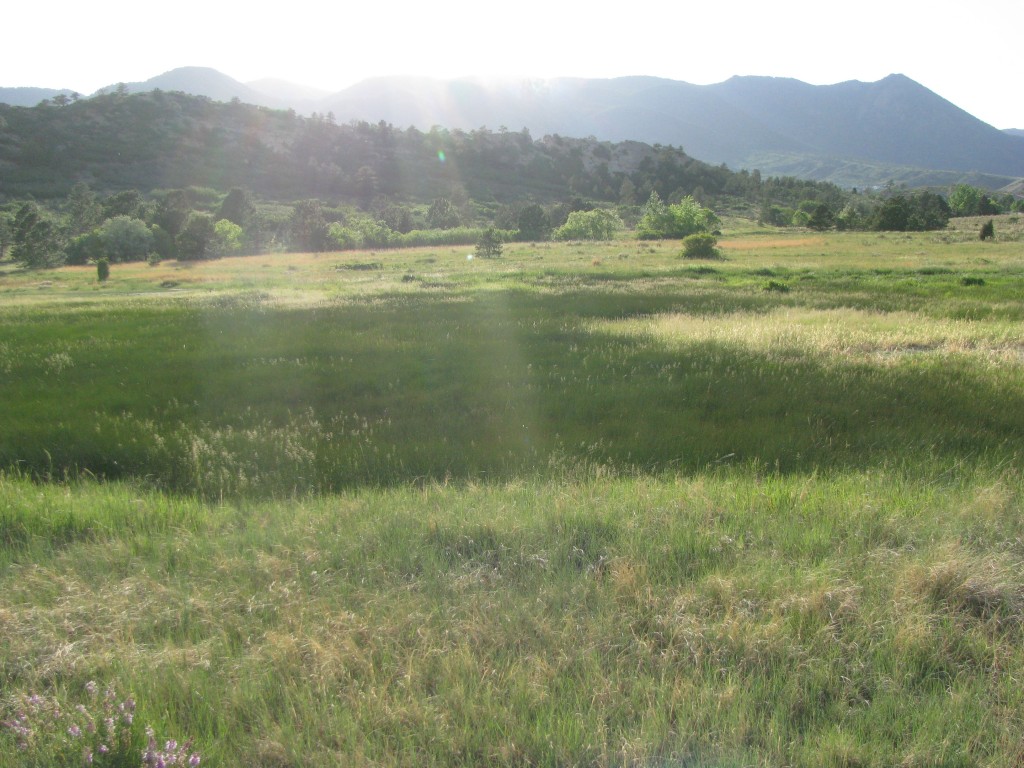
584	504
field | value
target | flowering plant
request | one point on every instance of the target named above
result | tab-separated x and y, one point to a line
96	733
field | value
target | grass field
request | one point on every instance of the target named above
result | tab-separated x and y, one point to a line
586	504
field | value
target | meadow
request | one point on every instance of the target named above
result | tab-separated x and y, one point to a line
585	504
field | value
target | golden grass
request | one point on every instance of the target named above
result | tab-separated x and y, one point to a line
839	335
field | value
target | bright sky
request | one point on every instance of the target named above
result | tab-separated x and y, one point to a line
967	53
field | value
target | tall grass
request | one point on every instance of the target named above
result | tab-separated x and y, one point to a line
734	617
580	505
222	398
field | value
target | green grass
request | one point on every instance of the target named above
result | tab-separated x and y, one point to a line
584	504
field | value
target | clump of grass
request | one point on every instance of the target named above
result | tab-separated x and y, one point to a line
972	281
776	286
989	589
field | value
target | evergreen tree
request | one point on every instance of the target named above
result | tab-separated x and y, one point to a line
36	239
489	245
196	237
534	223
237	207
309	227
84	210
442	214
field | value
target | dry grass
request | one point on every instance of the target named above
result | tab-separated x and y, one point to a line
838	335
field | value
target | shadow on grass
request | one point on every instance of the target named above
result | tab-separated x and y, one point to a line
251	400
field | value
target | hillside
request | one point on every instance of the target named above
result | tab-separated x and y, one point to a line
163	140
894	122
852	133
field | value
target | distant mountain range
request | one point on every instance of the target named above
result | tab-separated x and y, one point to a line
852	133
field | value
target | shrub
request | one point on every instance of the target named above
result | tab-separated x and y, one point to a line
661	221
589	225
700	246
102	269
776	286
988	230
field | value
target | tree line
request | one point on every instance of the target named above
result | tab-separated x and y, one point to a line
247	179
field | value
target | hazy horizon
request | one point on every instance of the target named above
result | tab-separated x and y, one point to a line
967	59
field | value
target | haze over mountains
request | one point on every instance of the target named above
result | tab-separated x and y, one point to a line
851	133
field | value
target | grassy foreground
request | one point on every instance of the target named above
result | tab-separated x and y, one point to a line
582	505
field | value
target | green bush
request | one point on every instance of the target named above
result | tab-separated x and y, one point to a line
589	225
700	246
661	221
102	269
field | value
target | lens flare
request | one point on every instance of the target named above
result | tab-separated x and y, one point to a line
440	155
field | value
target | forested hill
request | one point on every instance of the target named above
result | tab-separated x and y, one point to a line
163	140
895	121
853	133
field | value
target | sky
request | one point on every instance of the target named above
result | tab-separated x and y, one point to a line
964	52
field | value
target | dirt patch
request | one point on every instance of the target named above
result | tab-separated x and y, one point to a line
757	245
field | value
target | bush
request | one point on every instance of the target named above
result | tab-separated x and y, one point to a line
102	269
589	225
988	230
700	246
665	222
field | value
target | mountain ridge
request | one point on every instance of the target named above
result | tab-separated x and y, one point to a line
742	122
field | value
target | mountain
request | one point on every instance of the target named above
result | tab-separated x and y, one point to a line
29	97
198	81
159	140
852	133
894	121
1015	132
